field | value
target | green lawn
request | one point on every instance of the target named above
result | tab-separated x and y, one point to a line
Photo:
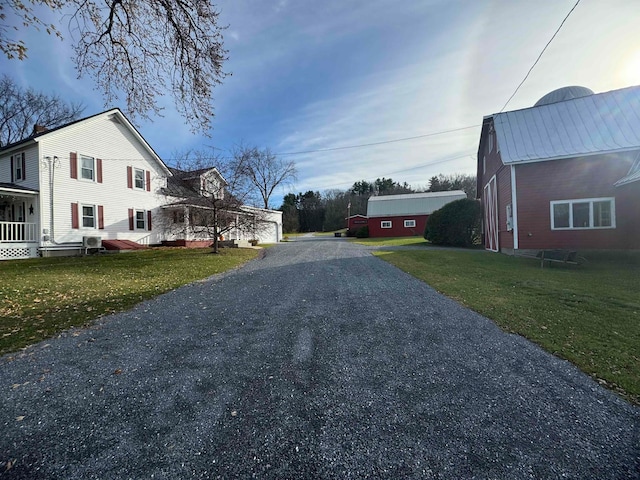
587	314
40	298
391	241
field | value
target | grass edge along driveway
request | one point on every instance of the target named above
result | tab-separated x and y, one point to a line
589	314
40	298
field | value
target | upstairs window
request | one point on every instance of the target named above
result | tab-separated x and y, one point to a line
17	167
87	168
138	178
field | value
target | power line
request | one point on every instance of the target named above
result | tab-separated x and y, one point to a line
396	140
442	132
428	164
539	56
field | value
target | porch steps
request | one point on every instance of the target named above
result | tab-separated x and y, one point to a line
122	245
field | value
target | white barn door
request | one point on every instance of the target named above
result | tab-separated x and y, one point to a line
490	202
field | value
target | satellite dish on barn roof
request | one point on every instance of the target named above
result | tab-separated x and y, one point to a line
564	93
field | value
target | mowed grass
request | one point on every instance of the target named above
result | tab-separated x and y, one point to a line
40	298
391	241
587	314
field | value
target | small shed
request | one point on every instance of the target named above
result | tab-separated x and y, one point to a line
406	215
356	222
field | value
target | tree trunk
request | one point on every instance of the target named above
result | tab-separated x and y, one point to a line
215	231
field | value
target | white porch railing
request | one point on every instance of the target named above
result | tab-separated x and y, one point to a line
18	232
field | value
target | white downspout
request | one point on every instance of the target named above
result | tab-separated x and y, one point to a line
514	208
51	165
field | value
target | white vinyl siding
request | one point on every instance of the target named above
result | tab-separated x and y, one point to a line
112	142
588	213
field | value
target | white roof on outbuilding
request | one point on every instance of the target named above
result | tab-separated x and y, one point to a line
593	124
411	203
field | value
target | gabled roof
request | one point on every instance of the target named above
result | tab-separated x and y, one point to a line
411	203
633	175
594	124
113	114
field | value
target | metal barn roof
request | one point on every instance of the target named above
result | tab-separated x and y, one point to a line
601	123
411	203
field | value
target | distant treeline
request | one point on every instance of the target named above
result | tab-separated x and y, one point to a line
327	211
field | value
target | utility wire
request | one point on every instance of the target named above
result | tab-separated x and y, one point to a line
442	132
539	56
396	140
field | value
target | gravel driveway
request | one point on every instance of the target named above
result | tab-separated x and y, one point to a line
317	361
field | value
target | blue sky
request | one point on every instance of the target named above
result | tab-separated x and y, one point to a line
311	75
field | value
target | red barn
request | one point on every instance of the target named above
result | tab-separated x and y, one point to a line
563	174
405	215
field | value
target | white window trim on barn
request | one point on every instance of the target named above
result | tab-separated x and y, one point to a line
591	220
386	224
409	224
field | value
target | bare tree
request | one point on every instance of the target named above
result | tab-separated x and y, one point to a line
138	50
209	200
21	109
263	170
455	181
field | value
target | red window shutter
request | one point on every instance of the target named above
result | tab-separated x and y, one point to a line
148	219
131	219
148	181
74	216
101	217
24	165
73	164
12	171
99	168
129	177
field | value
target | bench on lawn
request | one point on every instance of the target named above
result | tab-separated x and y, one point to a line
558	255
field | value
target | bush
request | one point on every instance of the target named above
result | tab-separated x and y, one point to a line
456	224
363	232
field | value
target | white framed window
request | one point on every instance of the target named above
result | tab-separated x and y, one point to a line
88	216
141	220
587	213
409	224
17	161
138	178
385	224
87	168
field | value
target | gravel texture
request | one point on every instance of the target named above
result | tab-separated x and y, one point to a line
316	361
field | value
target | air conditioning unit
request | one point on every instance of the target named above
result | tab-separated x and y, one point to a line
92	242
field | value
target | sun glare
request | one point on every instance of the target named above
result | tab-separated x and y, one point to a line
630	71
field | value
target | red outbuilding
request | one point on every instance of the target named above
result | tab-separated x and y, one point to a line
405	215
356	222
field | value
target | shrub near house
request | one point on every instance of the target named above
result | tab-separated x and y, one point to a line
456	224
